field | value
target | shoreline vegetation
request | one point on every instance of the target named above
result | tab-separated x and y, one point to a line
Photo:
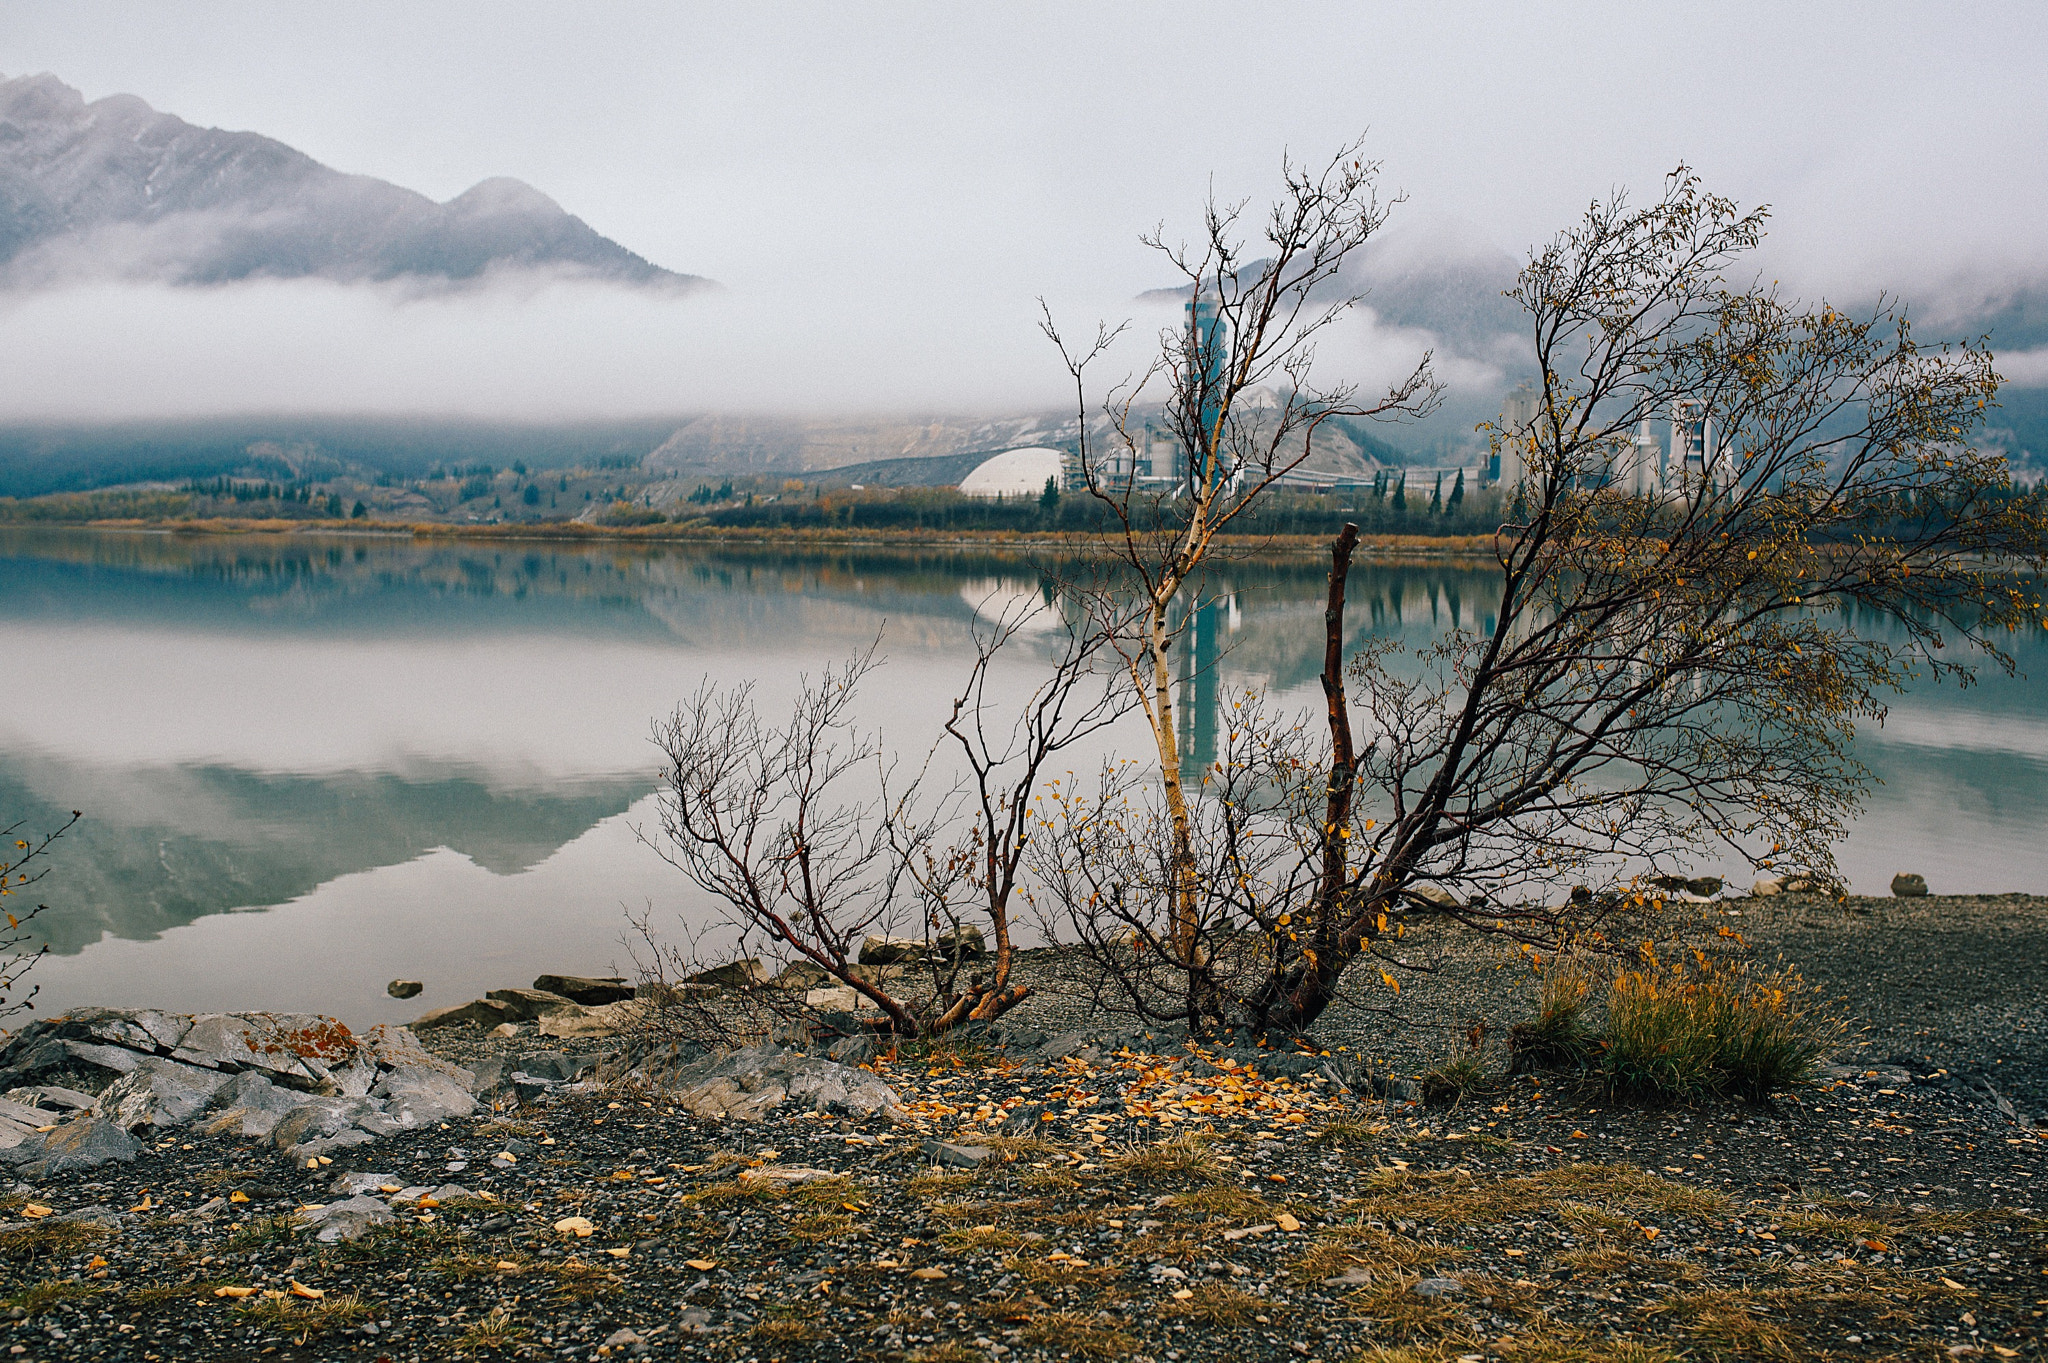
572	532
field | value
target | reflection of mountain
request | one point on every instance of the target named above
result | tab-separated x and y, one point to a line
162	847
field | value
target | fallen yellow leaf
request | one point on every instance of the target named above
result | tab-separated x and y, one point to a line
143	1205
1953	1285
1580	1136
35	1212
506	1266
389	1188
238	1196
1181	1294
299	1289
621	1252
930	1275
428	1202
578	1226
701	1265
236	1292
1286	1222
1649	1232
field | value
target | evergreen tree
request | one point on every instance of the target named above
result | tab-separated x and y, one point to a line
1458	491
360	512
1049	500
1401	494
1436	498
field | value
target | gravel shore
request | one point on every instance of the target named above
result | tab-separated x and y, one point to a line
1166	1204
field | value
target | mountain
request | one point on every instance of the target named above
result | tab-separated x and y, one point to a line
115	188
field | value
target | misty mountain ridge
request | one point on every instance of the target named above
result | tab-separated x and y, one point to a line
115	189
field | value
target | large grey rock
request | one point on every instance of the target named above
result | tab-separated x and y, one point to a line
880	950
485	1013
1909	886
252	1106
417	1095
528	1005
746	1084
350	1219
799	975
611	1019
297	1050
585	989
741	974
842	998
405	989
159	1093
81	1143
321	1125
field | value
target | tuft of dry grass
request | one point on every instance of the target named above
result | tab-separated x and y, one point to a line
495	1330
52	1239
1731	1320
303	1319
787	1330
1185	1158
981	1238
1070	1332
37	1298
1692	1028
1217	1305
1226	1201
816	1229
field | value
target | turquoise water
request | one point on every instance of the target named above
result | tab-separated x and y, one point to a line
312	765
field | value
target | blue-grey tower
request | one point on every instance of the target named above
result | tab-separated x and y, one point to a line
1208	358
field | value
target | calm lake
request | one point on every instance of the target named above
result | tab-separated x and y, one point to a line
311	765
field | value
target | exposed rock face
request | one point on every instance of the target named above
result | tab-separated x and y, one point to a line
405	989
116	187
160	1093
745	1084
306	1083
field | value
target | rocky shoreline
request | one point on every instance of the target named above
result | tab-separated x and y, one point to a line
262	1186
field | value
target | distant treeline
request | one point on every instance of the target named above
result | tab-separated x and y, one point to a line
1386	509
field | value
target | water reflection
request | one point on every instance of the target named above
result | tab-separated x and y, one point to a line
428	758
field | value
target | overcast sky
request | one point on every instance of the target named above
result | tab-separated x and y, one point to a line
885	189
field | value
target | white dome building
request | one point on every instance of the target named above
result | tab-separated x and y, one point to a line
1016	473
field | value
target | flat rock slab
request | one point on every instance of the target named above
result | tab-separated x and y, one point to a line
81	1143
747	1083
350	1219
586	990
957	1156
784	1175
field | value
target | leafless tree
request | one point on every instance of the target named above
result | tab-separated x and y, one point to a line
1669	674
797	832
1243	408
17	873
